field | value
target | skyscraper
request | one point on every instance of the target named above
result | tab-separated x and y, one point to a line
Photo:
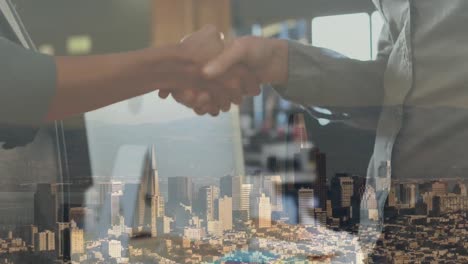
225	212
392	200
80	214
27	234
408	196
76	240
44	241
460	189
439	188
154	202
273	188
62	240
320	184
131	204
261	211
110	194
207	197
164	225
306	206
342	190
246	191
231	186
105	188
369	204
180	191
112	249
46	206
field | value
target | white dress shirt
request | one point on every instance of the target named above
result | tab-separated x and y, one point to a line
418	84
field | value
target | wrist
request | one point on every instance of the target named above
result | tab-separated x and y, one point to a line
155	65
280	61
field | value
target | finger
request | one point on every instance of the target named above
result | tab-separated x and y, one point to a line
203	98
233	54
185	97
250	83
163	94
199	111
235	91
233	84
214	111
219	95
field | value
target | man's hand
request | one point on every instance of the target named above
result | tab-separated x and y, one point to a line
218	93
267	59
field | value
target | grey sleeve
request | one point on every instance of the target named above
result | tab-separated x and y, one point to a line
27	84
321	77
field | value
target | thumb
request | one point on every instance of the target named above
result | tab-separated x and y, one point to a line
232	54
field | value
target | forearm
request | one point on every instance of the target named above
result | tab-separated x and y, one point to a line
322	77
279	64
90	82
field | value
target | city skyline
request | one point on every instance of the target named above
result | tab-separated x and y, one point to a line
221	217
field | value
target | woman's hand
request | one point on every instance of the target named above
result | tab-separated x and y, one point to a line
218	93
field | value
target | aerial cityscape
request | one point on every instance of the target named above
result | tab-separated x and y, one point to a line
299	217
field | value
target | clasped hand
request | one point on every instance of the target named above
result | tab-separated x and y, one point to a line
209	75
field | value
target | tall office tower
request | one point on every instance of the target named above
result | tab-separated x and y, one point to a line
105	188
369	204
439	188
207	198
182	216
392	198
306	206
342	190
460	189
62	240
320	217
150	194
359	186
231	186
27	234
225	212
114	205
261	210
76	239
112	249
133	205
409	195
46	206
180	191
164	225
273	187
80	214
329	208
109	195
427	198
50	240
311	166
246	191
44	241
320	184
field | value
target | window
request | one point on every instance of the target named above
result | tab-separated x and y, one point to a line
347	34
377	23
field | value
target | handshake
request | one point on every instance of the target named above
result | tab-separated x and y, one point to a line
208	75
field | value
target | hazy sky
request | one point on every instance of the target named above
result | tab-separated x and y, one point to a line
186	145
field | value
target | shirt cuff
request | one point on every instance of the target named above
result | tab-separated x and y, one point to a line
27	84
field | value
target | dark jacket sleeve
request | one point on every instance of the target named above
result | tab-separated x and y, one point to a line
27	84
320	77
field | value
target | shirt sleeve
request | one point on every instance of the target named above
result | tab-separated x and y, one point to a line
27	84
323	78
